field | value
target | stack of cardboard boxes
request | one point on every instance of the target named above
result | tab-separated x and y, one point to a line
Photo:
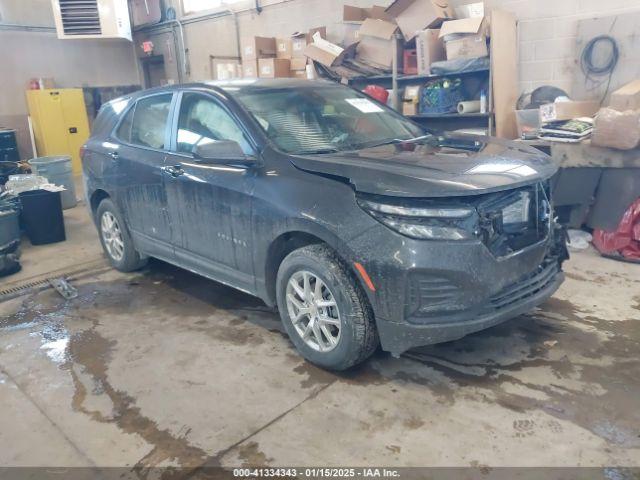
374	30
283	57
255	50
291	49
427	27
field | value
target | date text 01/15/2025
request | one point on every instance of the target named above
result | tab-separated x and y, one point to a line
315	473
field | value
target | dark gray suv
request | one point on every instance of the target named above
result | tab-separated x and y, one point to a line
363	228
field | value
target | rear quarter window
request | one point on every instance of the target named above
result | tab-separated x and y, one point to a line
124	129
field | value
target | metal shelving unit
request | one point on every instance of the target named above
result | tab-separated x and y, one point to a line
410	78
437	121
451	115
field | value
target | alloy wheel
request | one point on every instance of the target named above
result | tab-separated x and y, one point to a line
112	236
313	311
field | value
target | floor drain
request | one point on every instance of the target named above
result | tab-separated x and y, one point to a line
21	289
43	282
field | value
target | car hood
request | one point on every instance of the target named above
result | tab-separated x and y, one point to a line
449	165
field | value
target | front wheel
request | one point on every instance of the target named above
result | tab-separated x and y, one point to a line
116	240
323	310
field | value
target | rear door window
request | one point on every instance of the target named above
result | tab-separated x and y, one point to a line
146	123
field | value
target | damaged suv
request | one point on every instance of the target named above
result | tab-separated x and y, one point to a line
363	228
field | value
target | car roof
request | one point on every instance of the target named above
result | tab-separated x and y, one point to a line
230	87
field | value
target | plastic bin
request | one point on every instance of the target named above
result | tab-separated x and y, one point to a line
528	121
42	216
9	226
9	238
57	170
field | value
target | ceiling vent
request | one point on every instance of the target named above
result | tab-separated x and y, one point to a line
80	19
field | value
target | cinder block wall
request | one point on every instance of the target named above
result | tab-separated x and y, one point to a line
547	33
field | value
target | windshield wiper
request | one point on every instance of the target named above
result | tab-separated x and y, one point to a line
395	141
319	151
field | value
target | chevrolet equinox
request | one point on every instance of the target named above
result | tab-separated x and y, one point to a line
362	227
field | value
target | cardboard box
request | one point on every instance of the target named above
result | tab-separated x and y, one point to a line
464	26
274	67
552	112
415	15
376	42
411	100
249	68
429	49
469	10
469	46
627	97
351	33
324	52
225	69
409	109
258	47
284	47
359	14
300	74
312	32
298	64
299	42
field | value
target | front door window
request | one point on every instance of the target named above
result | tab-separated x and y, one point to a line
202	120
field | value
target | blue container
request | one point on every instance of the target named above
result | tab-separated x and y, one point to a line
441	96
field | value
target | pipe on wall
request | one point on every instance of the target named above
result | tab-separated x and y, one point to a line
26	28
167	25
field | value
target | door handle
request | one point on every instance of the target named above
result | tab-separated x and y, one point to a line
114	155
173	170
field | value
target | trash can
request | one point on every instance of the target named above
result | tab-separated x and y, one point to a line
57	170
9	237
7	169
42	216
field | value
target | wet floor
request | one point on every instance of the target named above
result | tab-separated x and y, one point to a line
164	368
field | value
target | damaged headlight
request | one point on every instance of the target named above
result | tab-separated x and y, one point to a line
425	222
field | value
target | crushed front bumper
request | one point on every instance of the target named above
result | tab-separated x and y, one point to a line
433	292
399	337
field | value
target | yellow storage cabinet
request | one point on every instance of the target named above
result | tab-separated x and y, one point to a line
60	124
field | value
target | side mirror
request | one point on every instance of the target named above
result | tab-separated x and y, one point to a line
221	152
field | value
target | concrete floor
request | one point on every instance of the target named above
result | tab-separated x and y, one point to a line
164	368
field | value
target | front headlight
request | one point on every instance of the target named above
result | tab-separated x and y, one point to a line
425	222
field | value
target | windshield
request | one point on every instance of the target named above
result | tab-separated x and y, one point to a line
324	120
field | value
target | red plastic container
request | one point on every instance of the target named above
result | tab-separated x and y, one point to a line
377	92
410	62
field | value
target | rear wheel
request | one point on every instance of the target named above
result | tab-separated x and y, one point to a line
323	310
115	238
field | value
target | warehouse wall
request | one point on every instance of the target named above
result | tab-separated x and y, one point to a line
217	36
36	52
547	49
547	30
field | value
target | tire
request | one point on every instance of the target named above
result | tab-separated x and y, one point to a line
130	259
357	339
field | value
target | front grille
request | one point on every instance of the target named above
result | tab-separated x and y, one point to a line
426	293
527	286
516	219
